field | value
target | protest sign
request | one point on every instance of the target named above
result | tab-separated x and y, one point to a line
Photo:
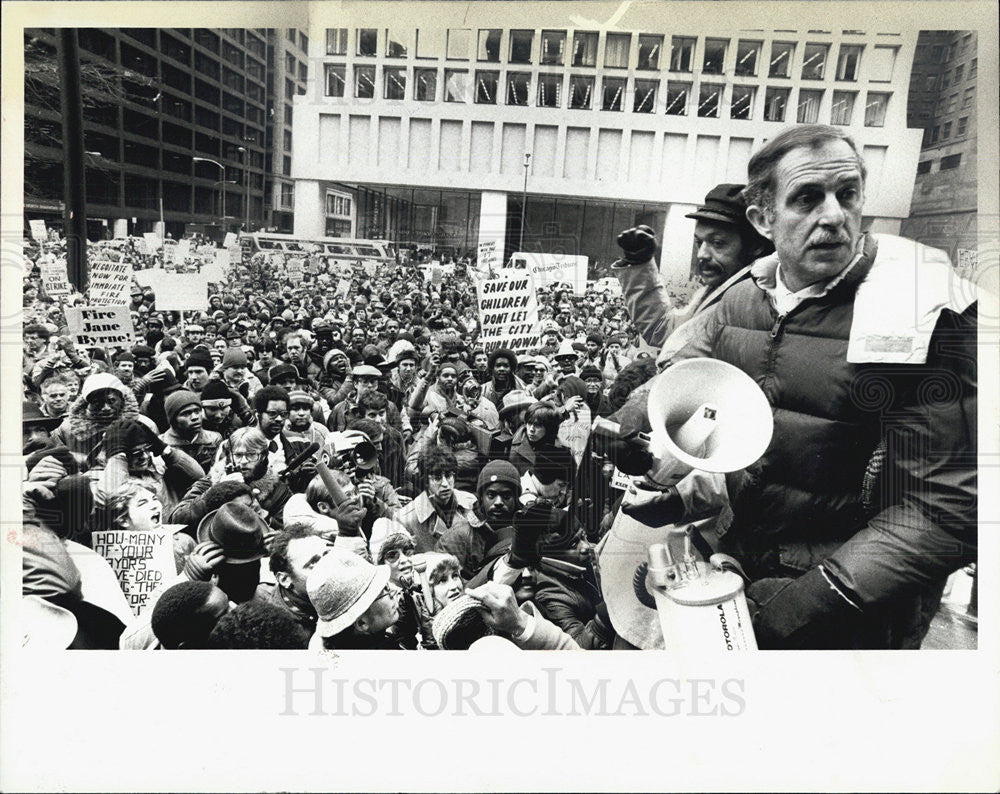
213	273
181	292
152	242
343	287
121	228
488	258
142	561
54	280
371	268
620	480
230	240
574	431
437	274
508	313
182	250
38	232
100	326
295	270
110	280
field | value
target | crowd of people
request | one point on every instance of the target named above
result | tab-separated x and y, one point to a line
352	469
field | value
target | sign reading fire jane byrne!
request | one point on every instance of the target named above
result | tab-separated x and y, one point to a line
100	326
508	313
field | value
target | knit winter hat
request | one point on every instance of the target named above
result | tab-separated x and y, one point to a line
178	401
499	471
216	390
234	357
199	357
297	396
591	371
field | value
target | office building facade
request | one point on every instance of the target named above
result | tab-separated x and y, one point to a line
943	95
424	121
178	116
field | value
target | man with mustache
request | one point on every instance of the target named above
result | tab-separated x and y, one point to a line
726	243
866	499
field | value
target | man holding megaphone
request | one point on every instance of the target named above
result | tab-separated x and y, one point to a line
859	342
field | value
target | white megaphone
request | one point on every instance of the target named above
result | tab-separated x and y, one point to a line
705	414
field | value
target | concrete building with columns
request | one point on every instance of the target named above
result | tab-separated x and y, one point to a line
427	123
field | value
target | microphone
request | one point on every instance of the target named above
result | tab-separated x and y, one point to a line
299	459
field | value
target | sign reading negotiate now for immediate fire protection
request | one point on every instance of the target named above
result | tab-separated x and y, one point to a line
110	281
508	313
100	326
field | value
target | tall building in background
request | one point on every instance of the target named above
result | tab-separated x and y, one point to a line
183	116
942	102
416	127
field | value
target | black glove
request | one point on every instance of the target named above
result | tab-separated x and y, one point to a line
654	507
630	456
602	623
118	437
140	434
529	526
638	243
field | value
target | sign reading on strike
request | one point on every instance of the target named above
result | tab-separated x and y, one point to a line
508	313
110	281
142	561
54	280
100	326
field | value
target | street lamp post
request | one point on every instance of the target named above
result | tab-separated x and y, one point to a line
223	182
524	200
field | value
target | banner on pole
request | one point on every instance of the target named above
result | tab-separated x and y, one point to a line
230	240
100	326
142	561
38	232
488	258
181	292
54	280
508	313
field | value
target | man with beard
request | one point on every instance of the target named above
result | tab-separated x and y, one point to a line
480	365
439	505
271	405
184	414
365	379
36	338
726	246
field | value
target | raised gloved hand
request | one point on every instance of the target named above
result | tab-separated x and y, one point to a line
638	243
529	526
142	434
118	437
203	560
348	516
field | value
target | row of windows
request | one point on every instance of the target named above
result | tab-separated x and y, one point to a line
293	66
945	53
484	87
947	164
456	44
292	33
942	132
338	205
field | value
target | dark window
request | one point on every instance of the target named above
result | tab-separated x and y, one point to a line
677	98
520	45
395	82
489	45
715	56
613	93
517	88
645	96
924	167
580	90
425	85
681	53
950	162
650	48
364	82
367	42
486	87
